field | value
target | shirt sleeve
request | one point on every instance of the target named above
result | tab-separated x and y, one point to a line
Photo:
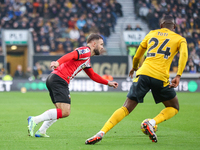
136	59
183	57
94	76
140	51
67	57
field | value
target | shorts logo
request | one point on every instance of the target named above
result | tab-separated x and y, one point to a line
69	96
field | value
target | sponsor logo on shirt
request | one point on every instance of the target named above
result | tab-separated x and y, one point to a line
83	51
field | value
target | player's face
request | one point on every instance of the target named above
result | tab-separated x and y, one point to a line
99	47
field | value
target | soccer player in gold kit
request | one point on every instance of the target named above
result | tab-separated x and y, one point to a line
161	45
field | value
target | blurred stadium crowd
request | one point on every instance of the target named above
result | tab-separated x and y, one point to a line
59	26
187	17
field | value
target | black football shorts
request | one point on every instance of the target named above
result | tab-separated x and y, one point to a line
58	89
142	84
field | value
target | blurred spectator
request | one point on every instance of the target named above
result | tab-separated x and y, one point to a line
174	64
71	23
198	68
108	77
85	29
7	77
198	49
96	8
110	22
1	50
37	71
94	29
15	25
18	13
28	73
154	22
143	11
50	21
81	22
128	27
132	50
82	39
195	58
2	72
45	48
74	34
69	49
190	63
52	46
60	49
180	19
118	8
38	49
89	19
189	38
148	3
104	30
192	70
138	28
19	73
138	5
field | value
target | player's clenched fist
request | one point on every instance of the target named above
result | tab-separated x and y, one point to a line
113	84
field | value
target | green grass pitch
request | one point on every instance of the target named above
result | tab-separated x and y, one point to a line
89	112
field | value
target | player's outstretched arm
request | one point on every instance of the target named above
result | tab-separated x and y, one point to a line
97	78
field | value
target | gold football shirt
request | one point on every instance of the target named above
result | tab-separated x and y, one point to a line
161	45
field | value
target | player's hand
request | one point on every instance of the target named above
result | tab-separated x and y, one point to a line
132	72
175	82
113	84
54	64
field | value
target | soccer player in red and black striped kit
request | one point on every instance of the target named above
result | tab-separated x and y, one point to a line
65	69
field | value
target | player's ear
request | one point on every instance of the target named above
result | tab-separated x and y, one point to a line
174	26
94	43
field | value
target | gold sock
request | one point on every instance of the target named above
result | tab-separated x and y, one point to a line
165	114
116	117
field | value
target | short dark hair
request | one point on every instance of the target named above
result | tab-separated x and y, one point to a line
94	36
167	20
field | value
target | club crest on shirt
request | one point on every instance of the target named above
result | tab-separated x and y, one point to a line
83	66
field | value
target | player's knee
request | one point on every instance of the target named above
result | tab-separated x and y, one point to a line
176	110
176	106
65	114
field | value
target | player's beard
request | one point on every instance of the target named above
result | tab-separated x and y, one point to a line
97	51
